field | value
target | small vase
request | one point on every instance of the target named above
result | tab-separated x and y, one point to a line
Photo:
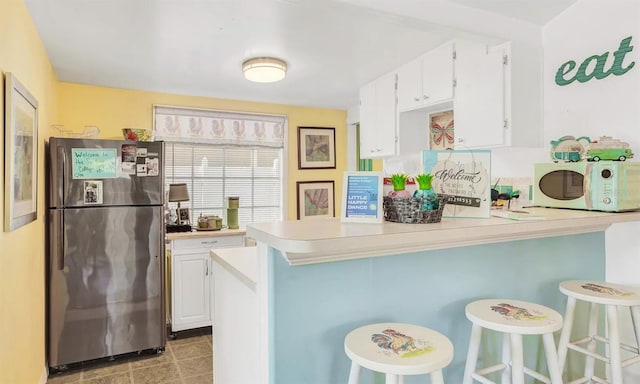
430	200
400	193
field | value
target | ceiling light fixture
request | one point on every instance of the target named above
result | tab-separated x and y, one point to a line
264	69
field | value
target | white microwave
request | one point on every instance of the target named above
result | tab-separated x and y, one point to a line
611	186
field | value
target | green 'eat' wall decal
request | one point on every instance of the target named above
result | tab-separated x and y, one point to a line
598	71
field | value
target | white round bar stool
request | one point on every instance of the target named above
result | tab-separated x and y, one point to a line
397	350
514	319
611	296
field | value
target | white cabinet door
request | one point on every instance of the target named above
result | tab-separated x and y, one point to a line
368	121
410	85
426	80
191	279
191	289
378	118
437	75
479	105
386	107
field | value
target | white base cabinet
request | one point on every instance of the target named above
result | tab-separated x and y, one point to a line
191	279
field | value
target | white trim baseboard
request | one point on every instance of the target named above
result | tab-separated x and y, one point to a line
44	376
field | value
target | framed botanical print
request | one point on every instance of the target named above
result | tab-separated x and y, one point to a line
315	199
20	155
316	148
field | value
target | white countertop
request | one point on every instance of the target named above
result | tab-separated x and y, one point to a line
315	241
197	234
242	262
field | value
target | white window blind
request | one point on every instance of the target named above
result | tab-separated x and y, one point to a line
219	154
213	173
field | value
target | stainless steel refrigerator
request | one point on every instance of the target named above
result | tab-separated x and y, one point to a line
105	235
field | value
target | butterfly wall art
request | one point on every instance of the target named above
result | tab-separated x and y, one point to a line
442	130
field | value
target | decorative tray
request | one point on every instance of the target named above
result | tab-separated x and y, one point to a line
207	229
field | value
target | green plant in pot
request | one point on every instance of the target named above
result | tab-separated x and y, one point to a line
399	181
425	191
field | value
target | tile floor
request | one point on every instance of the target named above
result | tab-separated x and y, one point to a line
186	360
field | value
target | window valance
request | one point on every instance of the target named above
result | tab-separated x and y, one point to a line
179	124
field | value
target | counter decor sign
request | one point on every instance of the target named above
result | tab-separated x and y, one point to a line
465	176
362	197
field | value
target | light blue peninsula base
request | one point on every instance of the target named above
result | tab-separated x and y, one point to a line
310	283
315	306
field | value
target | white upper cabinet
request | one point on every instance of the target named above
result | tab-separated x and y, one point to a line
495	92
498	95
426	80
437	74
479	104
378	118
410	85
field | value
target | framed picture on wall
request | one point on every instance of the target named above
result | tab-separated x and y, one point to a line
315	199
20	155
316	148
441	130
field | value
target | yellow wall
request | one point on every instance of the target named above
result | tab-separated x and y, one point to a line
22	251
22	301
113	109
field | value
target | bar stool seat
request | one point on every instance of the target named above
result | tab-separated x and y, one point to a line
397	350
513	318
610	296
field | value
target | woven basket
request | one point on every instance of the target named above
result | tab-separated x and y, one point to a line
408	210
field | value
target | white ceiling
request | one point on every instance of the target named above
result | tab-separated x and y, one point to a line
196	47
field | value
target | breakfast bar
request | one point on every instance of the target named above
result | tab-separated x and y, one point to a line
309	283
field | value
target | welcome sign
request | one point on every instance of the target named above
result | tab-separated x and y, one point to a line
463	175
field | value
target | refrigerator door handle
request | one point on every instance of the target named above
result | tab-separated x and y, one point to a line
56	232
60	179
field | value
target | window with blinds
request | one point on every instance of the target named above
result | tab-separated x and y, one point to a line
213	173
219	154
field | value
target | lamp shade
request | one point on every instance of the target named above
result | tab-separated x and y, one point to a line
178	192
264	69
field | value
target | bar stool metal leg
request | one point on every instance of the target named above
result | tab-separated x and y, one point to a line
614	345
555	375
472	354
436	377
517	359
635	318
563	344
391	379
590	361
506	359
354	374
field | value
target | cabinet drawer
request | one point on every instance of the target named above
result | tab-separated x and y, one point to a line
207	243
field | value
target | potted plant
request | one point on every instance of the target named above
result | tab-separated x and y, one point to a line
399	181
425	191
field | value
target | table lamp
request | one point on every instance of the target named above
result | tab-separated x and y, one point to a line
178	193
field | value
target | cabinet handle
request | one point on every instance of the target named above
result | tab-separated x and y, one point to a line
206	273
425	97
209	242
416	99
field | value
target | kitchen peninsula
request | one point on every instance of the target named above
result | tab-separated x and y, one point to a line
308	283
